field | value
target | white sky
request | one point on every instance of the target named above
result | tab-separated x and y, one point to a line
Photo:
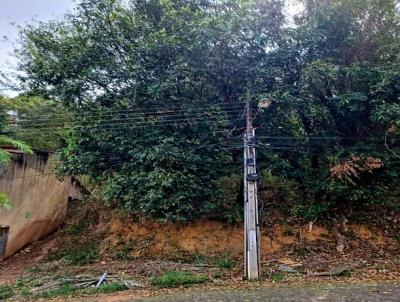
21	12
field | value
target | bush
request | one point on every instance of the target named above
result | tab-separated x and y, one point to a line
231	201
310	212
173	279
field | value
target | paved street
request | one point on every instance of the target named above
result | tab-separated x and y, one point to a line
385	292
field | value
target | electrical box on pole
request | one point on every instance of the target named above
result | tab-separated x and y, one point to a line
251	224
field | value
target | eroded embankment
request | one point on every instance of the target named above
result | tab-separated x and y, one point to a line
168	240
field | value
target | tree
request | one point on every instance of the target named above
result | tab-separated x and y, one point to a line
338	97
139	57
32	114
5	157
332	78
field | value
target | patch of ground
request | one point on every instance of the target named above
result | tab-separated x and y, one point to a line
140	249
12	268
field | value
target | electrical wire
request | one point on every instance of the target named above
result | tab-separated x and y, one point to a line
140	119
137	125
156	110
144	112
114	163
320	137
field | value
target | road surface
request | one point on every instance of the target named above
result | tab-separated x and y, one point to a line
384	292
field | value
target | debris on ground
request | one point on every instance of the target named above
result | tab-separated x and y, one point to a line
336	272
286	269
83	281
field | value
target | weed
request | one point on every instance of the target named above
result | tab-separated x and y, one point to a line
6	292
288	231
217	275
65	290
225	263
106	288
123	253
302	252
200	259
81	254
81	216
172	279
24	281
35	269
112	288
76	228
277	277
25	292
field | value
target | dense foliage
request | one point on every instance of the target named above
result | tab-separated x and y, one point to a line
7	142
155	91
25	116
338	96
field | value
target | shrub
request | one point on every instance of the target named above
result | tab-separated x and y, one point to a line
231	200
310	212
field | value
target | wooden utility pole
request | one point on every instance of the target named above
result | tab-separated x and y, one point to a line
251	225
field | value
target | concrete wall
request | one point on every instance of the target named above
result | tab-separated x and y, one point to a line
39	199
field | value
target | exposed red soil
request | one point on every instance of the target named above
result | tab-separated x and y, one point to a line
150	239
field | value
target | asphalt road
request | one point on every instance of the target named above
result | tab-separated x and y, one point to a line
385	292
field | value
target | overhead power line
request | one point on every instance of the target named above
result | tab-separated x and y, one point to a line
113	162
134	118
127	126
144	112
166	109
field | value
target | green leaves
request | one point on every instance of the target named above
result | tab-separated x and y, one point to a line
9	142
5	201
5	158
333	78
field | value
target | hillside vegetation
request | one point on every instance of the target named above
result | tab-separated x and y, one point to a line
154	90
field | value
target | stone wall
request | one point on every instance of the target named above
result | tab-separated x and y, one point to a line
39	199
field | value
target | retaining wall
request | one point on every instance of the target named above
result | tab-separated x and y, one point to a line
39	199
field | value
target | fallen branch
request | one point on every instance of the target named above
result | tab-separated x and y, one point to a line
80	282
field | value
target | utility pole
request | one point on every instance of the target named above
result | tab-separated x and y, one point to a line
251	225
